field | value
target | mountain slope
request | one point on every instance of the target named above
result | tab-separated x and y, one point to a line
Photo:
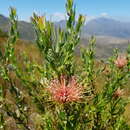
25	29
100	27
107	27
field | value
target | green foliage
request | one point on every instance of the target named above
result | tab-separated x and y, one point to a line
75	103
58	45
13	34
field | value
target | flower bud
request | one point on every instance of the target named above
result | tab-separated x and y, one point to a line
118	93
121	61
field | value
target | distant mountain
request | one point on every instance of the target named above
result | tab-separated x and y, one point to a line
103	27
107	27
26	31
100	27
109	33
60	24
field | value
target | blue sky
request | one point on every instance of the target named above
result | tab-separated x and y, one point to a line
119	9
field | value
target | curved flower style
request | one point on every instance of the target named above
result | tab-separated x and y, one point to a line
121	61
64	90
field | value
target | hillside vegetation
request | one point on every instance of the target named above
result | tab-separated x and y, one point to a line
45	86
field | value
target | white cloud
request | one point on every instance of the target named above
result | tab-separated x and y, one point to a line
57	16
89	18
62	16
104	14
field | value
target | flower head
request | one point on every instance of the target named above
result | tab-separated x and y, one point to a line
121	61
118	93
64	90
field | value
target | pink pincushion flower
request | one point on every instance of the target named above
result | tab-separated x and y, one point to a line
64	90
121	61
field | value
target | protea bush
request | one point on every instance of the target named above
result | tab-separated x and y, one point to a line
62	93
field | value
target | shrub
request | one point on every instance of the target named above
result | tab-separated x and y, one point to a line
59	94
